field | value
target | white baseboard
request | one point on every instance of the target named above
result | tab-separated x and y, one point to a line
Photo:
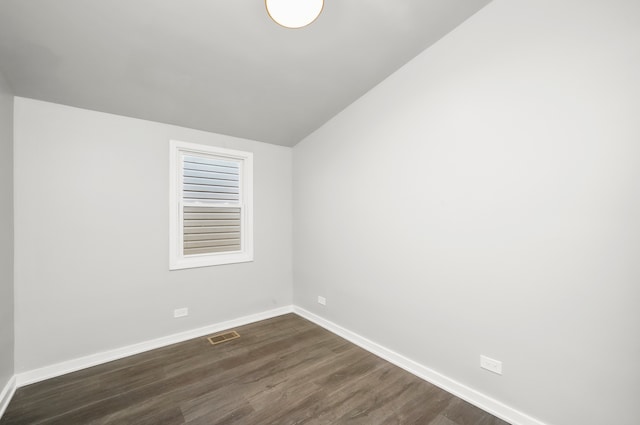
7	394
484	402
37	375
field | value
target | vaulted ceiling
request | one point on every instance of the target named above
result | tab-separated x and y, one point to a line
216	65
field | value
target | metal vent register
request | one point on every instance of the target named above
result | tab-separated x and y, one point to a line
227	336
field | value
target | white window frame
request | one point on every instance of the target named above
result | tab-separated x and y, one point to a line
177	259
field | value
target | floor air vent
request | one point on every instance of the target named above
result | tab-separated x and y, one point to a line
227	336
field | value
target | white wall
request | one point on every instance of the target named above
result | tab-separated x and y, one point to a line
485	199
91	235
6	234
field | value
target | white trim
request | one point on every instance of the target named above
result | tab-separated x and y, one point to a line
37	375
177	260
7	394
484	402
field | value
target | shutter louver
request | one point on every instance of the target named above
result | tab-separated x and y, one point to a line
211	179
212	211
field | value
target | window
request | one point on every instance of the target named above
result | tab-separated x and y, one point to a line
211	218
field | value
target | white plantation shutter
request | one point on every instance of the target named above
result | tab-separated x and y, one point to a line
211	229
210	179
212	209
213	201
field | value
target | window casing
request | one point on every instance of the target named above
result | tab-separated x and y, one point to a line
211	214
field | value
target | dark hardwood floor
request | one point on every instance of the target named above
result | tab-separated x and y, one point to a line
284	370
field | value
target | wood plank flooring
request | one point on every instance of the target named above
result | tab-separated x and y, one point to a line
285	370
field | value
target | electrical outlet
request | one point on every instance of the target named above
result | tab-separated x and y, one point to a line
491	365
180	312
322	300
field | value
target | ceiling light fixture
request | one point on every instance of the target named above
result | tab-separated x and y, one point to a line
294	13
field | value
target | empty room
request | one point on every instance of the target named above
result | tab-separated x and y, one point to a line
320	212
